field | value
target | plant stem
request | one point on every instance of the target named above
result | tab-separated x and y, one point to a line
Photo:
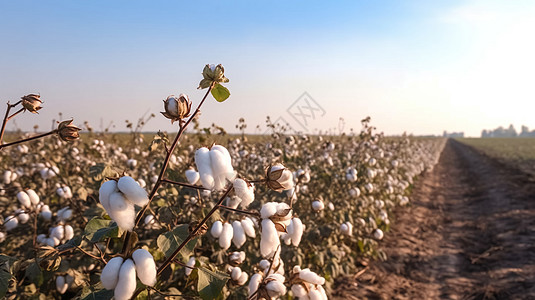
194	232
184	184
28	139
182	128
6	118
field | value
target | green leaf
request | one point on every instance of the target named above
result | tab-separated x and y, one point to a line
210	283
96	292
98	229
169	241
35	274
5	274
72	243
220	93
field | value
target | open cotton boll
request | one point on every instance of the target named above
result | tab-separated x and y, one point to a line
323	293
41	238
297	232
378	234
192	176
11	223
204	165
235	273
24	199
106	189
299	290
221	169
34	198
46	214
243	278
69	232
190	264
275	288
238	237
268	210
57	232
269	241
255	281
22	216
311	277
122	211
145	266
248	227
133	192
225	238
216	229
64	213
314	294
244	192
126	285
61	285
318	205
233	202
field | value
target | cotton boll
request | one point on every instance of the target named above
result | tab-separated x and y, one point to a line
318	205
243	278
57	232
7	177
378	234
225	160
268	210
248	227
24	199
216	229
297	233
244	192
46	214
225	238
22	216
145	266
133	192
34	198
220	169
122	211
192	176
149	219
264	264
314	294
41	238
233	202
269	241
311	277
11	223
238	237
299	290
190	264
354	192
255	281
68	192
65	214
235	273
61	285
323	293
204	165
50	242
126	285
69	232
275	288
106	189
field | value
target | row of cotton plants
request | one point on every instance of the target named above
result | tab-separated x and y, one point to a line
200	215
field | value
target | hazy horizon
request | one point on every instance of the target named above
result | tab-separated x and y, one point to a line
414	66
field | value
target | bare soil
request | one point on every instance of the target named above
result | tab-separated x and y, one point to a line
468	234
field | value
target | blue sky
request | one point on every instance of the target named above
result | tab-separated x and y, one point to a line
415	66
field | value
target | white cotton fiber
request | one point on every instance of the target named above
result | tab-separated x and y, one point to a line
133	191
248	227
34	198
203	162
106	189
126	286
244	192
238	236
269	242
225	238
254	283
217	228
24	199
110	273
268	210
192	176
122	211
145	266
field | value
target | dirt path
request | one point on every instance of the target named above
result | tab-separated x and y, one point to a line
469	234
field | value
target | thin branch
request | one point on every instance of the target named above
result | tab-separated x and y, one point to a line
251	213
28	139
184	184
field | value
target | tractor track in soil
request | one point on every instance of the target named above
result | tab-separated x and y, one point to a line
468	234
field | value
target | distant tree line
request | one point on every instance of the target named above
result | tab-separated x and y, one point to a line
453	134
507	132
